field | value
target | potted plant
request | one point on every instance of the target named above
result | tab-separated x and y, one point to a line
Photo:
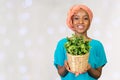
77	52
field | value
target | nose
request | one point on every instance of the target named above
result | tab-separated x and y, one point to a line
81	21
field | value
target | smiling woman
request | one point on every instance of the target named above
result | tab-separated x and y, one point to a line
78	20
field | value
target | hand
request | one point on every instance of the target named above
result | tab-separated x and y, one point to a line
66	65
76	73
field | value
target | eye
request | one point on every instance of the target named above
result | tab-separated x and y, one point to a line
75	18
86	18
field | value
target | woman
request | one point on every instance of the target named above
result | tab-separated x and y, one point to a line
78	20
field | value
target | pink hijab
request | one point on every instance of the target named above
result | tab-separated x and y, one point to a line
72	12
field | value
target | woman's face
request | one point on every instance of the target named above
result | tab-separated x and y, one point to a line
81	22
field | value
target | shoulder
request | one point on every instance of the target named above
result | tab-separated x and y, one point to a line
62	41
96	42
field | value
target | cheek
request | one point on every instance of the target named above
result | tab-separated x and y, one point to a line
75	22
87	23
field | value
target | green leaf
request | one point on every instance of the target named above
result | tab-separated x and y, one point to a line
77	45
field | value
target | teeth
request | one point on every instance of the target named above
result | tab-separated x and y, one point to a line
81	27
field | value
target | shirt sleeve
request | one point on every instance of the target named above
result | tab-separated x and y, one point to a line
100	55
59	54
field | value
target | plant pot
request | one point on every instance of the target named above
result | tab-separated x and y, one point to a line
78	63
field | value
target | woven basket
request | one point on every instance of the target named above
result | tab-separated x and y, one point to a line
78	63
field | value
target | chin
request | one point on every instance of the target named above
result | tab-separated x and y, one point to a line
81	32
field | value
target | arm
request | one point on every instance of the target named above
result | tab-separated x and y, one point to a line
62	71
101	61
96	73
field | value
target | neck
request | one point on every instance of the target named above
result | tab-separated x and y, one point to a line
84	36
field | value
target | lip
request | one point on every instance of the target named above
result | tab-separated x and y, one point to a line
80	26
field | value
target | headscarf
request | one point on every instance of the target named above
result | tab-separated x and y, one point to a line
72	11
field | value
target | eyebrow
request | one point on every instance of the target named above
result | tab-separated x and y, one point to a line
78	16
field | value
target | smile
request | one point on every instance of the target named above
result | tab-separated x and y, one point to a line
80	26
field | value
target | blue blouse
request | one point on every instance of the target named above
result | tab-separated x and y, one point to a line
97	58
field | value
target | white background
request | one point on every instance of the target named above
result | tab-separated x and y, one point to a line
30	30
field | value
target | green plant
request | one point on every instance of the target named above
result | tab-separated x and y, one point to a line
77	45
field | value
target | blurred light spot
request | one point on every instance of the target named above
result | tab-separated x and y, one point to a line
23	69
9	4
3	30
23	31
2	56
50	31
27	3
6	42
26	78
96	20
24	16
21	55
2	77
117	5
28	43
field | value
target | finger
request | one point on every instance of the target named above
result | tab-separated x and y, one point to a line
65	63
76	74
67	66
88	67
83	71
